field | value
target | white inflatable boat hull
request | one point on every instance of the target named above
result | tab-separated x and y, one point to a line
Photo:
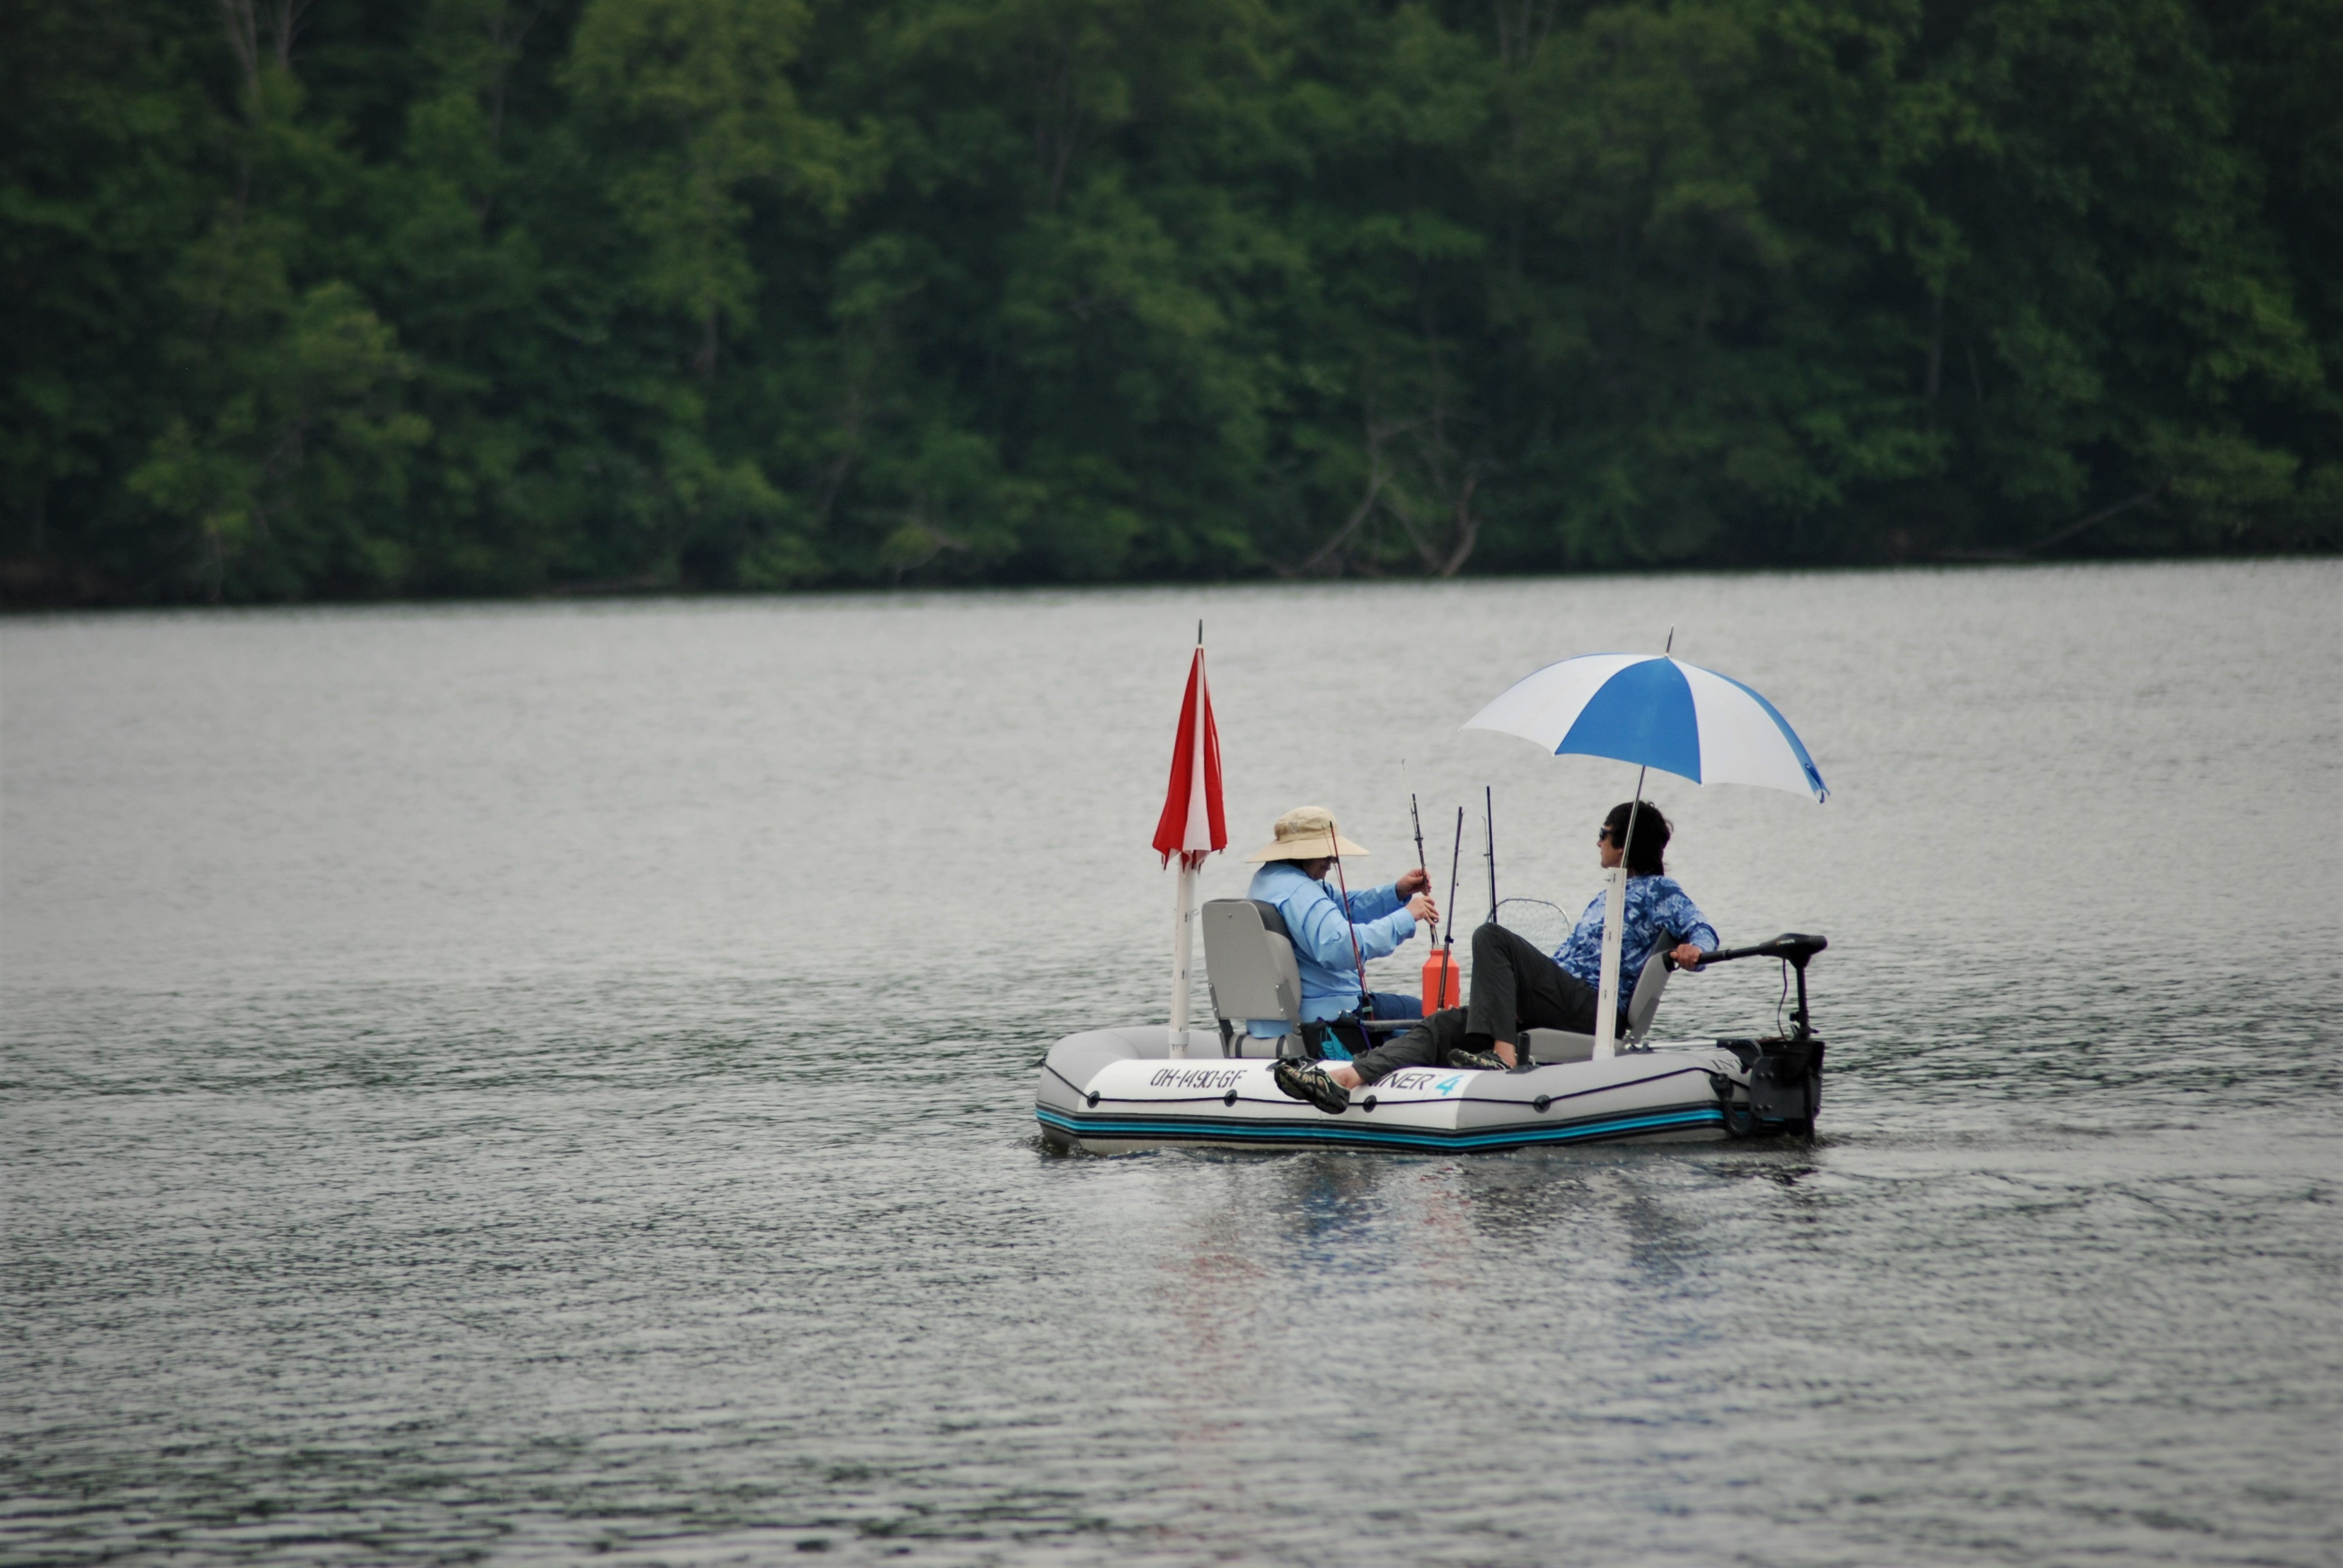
1117	1090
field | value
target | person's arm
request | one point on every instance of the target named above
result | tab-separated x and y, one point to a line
1380	938
1326	937
1373	903
1317	925
1694	936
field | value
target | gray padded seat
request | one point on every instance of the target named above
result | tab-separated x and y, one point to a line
1249	970
1552	1045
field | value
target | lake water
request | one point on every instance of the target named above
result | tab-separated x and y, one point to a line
531	1083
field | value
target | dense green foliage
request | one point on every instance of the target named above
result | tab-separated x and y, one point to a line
343	297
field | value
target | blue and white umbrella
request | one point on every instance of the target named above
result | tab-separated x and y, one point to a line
1657	712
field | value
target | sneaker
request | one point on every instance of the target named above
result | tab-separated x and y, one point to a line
1308	1081
1476	1060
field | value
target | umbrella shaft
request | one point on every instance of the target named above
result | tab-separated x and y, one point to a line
1614	929
1183	952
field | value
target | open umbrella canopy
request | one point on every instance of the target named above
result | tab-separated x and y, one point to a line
1658	712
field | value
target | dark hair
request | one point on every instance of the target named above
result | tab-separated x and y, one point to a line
1644	856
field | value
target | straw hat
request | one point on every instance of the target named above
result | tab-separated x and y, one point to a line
1306	833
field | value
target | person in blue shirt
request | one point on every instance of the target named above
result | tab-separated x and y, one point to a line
1332	939
1516	988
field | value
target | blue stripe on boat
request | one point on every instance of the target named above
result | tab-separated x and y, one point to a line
1643	714
1231	1131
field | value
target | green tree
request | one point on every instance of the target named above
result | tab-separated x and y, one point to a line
335	298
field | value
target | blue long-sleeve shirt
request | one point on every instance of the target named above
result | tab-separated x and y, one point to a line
1321	938
1656	909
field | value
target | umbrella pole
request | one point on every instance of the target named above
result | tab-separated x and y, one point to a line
1183	952
1614	921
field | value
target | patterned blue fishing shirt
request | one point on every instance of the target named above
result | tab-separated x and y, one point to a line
1656	909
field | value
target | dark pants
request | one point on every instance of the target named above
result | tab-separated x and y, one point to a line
1344	1038
1514	988
1426	1045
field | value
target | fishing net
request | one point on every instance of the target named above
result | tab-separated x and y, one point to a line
1535	921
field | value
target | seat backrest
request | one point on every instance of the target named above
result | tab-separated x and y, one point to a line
1646	999
1553	1045
1249	963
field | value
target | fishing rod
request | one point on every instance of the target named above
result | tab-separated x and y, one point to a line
1455	864
1349	927
1416	818
1489	815
1440	981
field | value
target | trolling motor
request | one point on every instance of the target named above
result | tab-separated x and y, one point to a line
1794	949
1786	1071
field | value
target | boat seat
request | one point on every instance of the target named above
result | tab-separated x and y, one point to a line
1552	1045
1249	970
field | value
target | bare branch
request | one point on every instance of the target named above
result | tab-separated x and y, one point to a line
1468	528
1378	477
244	38
286	25
2058	536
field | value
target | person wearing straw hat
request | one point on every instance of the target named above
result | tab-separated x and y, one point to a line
1335	930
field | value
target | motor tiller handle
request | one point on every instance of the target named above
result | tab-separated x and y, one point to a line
1792	948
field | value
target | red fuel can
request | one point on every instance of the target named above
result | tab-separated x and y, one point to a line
1444	986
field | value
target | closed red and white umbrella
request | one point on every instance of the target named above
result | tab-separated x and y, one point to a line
1193	824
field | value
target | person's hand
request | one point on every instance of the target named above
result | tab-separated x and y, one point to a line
1423	908
1687	956
1412	883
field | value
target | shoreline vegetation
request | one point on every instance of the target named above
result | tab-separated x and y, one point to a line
340	300
584	594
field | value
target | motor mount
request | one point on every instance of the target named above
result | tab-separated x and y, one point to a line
1786	1071
1785	1086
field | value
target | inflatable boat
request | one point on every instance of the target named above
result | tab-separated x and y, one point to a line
1121	1089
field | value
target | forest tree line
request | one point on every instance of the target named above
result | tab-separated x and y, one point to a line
346	298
